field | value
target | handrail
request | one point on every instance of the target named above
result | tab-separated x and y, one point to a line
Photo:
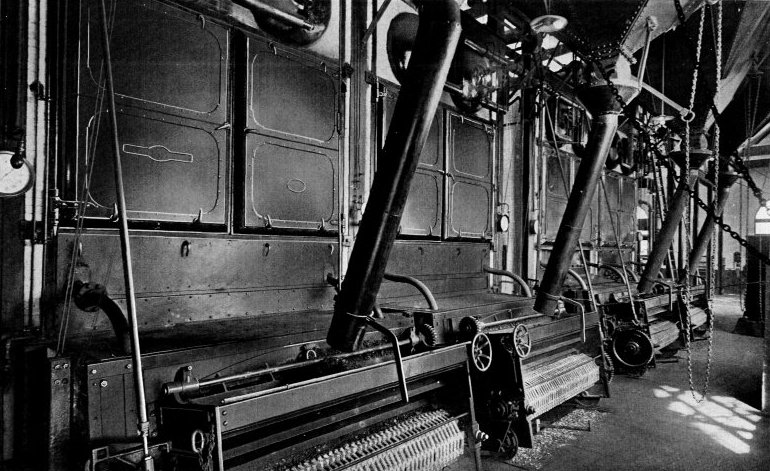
519	280
421	287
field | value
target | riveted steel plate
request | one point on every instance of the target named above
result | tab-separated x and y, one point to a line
173	168
163	58
422	212
290	96
289	185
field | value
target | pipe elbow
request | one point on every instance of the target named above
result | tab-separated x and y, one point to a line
91	297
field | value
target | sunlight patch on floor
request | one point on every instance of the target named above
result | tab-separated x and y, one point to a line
726	420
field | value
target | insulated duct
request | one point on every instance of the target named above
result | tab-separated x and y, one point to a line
437	36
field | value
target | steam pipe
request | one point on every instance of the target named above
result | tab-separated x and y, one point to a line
519	280
726	181
421	287
90	297
437	36
125	246
676	209
576	276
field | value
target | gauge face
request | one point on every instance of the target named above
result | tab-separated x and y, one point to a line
13	181
504	222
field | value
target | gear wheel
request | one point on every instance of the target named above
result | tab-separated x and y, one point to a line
427	334
469	327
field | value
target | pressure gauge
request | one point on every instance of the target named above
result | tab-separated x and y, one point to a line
14	181
503	222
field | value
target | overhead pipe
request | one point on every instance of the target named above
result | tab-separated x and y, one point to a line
676	209
726	181
438	34
601	102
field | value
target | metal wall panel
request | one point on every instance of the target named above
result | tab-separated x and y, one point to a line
472	149
290	96
173	168
470	157
422	214
432	156
243	276
163	59
424	205
470	202
289	185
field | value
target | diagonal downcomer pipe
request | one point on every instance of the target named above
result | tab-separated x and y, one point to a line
701	243
601	102
676	209
437	36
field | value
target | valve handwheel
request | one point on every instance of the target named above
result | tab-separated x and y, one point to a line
522	342
481	352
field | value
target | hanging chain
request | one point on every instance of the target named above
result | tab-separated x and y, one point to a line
687	295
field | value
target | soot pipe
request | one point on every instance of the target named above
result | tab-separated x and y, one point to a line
437	36
605	123
701	243
676	209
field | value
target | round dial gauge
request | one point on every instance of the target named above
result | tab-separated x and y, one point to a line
503	223
14	181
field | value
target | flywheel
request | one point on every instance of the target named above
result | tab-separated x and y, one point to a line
632	348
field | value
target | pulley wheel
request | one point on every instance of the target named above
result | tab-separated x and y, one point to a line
522	342
632	348
481	352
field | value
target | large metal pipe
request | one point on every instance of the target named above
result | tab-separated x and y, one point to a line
600	99
676	209
437	36
605	123
701	243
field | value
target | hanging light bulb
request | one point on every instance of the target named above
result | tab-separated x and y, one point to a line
548	23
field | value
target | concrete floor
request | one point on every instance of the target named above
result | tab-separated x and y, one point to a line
653	422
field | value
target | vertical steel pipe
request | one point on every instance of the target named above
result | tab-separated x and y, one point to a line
437	36
701	243
605	123
125	246
676	209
